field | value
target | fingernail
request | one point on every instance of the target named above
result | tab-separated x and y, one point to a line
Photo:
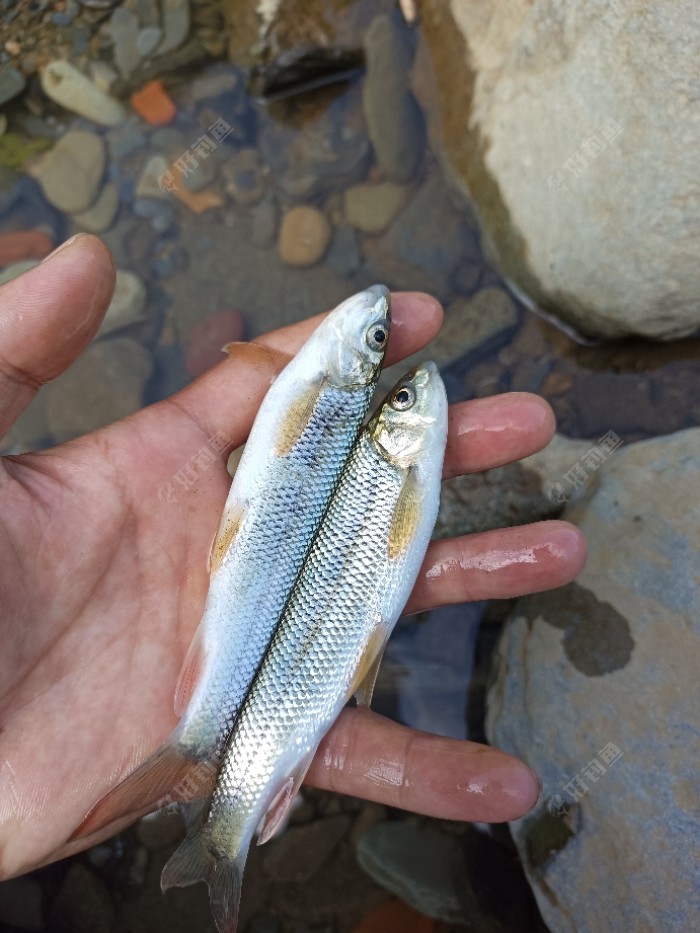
63	246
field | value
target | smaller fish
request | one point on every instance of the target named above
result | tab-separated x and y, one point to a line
328	645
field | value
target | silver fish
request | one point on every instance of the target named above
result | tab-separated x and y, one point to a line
305	429
328	646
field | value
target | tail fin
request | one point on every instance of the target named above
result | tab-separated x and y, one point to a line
167	776
194	861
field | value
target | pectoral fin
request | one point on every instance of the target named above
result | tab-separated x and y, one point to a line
297	417
368	668
224	540
406	517
279	807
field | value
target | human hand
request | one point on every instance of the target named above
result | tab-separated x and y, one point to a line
103	580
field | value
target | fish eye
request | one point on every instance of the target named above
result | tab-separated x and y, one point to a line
403	398
376	337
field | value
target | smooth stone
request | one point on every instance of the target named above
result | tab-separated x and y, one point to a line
175	19
148	12
103	76
265	223
208	338
147	40
151	182
17	268
12	83
212	85
21	903
128	302
105	384
125	139
243	177
83	903
416	863
70	88
592	213
203	176
479	323
304	236
613	656
100	215
372	208
300	851
70	174
124	29
394	121
344	254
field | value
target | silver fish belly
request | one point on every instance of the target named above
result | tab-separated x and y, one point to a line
302	436
355	582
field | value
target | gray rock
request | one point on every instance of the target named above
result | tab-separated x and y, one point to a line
175	19
394	121
70	88
417	863
125	139
473	324
203	175
344	254
70	174
83	904
597	689
148	39
243	176
591	213
151	182
301	850
124	29
106	383
149	14
212	85
128	302
371	208
21	903
100	215
12	83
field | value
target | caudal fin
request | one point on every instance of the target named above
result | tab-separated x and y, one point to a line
168	776
195	861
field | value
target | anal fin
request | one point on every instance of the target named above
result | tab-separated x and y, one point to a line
283	800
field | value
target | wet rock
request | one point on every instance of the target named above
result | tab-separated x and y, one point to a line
11	83
212	85
83	905
417	863
21	903
203	176
243	176
265	221
70	174
125	139
372	208
124	29
209	337
394	121
152	180
304	236
147	40
612	655
22	245
479	323
100	215
70	88
162	828
175	18
106	383
326	153
344	254
128	302
561	162
299	853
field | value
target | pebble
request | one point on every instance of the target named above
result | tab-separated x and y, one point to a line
125	139
153	103
394	121
70	174
103	75
148	12
175	18
243	177
24	244
11	83
304	236
265	221
147	40
100	215
478	323
128	302
372	208
301	851
344	255
124	29
70	88
209	336
83	904
202	176
20	903
207	86
151	180
105	384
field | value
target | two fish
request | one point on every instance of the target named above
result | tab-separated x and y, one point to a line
322	537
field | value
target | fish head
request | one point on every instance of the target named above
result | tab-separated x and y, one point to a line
353	338
411	424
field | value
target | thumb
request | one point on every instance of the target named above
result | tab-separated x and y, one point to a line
48	316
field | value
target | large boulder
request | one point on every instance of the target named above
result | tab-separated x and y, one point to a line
597	689
573	124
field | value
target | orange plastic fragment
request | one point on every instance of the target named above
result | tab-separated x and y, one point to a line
154	104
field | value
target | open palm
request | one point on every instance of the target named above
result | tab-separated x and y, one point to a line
103	573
